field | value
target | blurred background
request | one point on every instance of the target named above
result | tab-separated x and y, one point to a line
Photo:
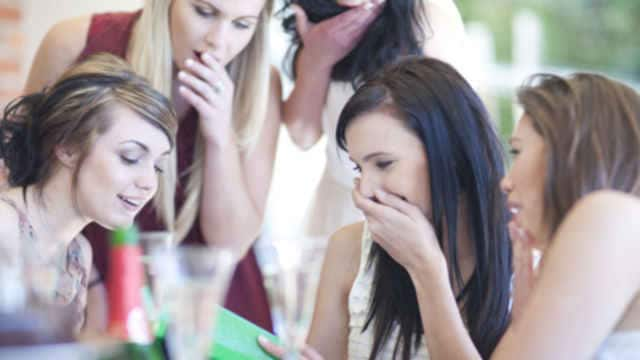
507	41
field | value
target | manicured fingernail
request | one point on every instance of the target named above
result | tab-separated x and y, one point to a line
189	62
368	5
262	339
207	57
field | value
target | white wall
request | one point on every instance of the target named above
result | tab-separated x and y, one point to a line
40	15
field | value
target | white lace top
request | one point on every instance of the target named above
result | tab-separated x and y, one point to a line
360	343
620	346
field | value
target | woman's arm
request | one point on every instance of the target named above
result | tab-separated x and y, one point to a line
96	319
325	44
235	185
405	233
588	277
329	332
444	33
95	301
59	49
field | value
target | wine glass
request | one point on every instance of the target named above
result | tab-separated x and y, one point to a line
190	282
291	281
151	241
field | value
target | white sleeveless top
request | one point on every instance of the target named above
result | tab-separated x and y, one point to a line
620	346
361	343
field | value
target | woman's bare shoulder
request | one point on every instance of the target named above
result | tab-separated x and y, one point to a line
343	251
606	216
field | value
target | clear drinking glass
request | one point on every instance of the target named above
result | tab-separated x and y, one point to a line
291	281
189	282
151	241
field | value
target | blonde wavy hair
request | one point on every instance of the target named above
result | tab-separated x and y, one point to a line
151	55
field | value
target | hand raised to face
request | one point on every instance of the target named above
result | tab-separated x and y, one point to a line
401	229
328	41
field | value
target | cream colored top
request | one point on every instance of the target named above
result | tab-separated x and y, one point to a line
620	346
361	343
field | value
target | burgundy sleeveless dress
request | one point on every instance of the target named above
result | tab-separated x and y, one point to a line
110	32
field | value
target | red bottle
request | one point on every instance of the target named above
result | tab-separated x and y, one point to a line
127	319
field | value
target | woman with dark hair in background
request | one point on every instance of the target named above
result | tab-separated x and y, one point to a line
89	148
430	163
336	45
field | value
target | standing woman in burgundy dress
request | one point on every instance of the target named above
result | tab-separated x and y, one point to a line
210	57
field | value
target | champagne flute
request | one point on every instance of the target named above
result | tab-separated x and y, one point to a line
190	282
291	282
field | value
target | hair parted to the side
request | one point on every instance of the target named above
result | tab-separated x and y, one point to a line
151	55
398	31
466	164
71	113
590	126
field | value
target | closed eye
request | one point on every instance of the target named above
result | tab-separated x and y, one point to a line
204	12
357	168
383	164
128	160
242	25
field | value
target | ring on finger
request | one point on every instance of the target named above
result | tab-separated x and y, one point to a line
217	87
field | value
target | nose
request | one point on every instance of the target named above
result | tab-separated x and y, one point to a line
368	185
217	35
506	185
147	181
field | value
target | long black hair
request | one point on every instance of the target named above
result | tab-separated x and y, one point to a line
397	31
466	163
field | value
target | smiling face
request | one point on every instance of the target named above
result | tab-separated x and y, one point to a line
390	157
120	173
223	28
524	183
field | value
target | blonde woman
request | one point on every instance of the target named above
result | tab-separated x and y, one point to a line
100	127
210	57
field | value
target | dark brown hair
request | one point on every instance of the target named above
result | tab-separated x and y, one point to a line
591	129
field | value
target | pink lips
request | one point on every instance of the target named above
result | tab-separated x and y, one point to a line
198	56
131	203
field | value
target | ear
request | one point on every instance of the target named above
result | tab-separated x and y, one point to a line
66	156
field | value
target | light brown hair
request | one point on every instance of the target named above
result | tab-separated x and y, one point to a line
71	113
591	129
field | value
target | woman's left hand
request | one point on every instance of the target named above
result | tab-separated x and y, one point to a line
209	89
524	269
403	231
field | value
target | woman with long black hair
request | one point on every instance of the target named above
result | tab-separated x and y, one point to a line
430	163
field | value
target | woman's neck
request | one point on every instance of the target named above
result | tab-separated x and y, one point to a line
51	213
